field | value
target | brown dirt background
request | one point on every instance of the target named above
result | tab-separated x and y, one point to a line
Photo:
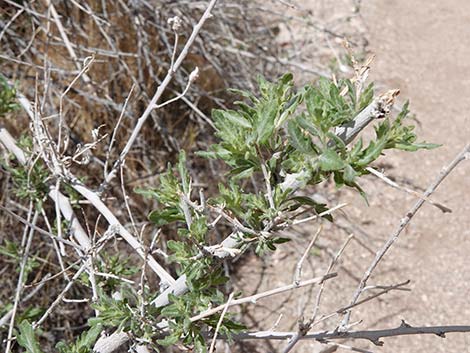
422	47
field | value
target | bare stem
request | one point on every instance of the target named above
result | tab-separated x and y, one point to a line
373	336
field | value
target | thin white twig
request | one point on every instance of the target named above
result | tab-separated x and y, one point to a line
110	275
269	191
60	296
56	244
86	65
325	213
395	185
126	197
115	130
305	327
128	237
254	298
298	267
59	219
65	38
219	323
21	279
13	18
192	77
4	319
38	229
330	268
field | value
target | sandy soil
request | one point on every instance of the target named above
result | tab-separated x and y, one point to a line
422	48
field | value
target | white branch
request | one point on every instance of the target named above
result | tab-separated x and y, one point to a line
128	237
379	107
110	343
77	230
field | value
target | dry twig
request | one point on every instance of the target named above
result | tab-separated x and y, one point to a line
403	223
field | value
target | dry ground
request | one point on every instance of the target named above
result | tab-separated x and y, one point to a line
422	48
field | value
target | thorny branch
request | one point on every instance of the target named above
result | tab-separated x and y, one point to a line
373	336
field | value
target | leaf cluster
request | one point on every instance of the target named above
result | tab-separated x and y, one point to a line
7	97
29	182
115	265
302	136
271	135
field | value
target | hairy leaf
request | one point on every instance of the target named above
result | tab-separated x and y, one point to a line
27	339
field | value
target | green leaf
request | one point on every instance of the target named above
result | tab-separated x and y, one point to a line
265	128
169	340
232	116
242	172
308	125
304	200
349	174
88	338
114	313
171	311
8	101
287	78
318	207
233	326
290	108
326	107
366	96
200	345
330	161
356	149
270	246
27	338
175	246
281	240
183	171
298	139
31	313
199	229
416	146
165	216
372	152
338	141
84	343
245	94
148	193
